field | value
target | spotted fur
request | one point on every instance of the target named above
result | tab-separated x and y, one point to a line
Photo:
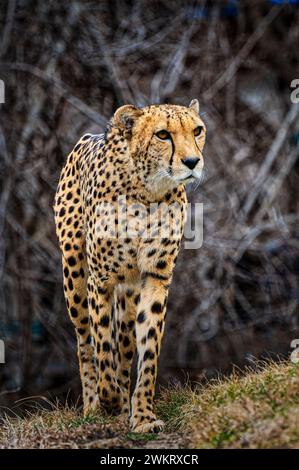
116	288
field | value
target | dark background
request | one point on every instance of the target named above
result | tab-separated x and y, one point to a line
67	66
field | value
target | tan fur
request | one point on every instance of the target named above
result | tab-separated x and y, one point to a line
116	288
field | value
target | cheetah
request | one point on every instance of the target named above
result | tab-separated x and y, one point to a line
116	285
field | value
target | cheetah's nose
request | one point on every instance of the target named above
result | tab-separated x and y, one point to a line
190	162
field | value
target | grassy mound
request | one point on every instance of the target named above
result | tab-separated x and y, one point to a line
257	410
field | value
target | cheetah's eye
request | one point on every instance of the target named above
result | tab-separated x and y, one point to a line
197	131
163	135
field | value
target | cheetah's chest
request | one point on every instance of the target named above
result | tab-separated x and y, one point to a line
113	259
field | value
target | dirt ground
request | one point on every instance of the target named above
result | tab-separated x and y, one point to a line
113	435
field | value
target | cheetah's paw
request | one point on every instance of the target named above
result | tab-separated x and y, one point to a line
153	427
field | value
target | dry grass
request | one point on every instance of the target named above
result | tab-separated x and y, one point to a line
256	410
65	427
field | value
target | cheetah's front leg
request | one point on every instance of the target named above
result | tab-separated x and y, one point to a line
100	312
125	316
149	332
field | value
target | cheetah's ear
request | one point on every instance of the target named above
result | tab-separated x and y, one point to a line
126	115
194	105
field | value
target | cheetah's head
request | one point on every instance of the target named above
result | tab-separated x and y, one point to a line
166	143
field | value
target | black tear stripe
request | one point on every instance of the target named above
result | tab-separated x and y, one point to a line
172	154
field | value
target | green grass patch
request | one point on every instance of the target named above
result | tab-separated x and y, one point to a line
173	409
134	436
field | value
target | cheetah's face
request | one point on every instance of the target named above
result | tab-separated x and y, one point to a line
167	143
